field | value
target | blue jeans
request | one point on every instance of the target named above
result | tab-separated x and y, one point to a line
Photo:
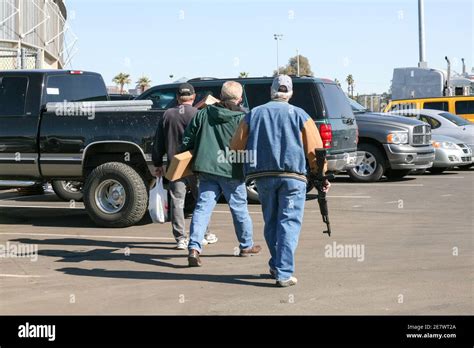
235	192
283	201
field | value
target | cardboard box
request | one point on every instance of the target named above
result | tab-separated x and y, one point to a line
209	100
180	167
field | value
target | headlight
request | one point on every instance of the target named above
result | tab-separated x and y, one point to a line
449	145
398	138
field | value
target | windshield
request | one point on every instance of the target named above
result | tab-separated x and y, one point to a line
457	120
356	107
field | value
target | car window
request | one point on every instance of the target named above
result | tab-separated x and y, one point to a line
457	120
431	121
162	99
203	92
13	95
258	94
337	105
403	106
464	107
75	88
442	106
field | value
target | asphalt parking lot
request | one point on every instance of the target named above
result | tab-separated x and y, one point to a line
415	239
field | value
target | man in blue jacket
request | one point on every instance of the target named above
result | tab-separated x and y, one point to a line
283	137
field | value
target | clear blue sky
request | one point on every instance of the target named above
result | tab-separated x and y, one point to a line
366	38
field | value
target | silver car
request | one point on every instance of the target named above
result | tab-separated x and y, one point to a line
445	124
450	153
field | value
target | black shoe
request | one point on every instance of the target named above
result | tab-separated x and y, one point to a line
193	259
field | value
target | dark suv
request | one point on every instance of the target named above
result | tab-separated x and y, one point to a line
322	99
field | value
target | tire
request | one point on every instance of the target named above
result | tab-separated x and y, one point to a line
396	174
68	190
128	194
437	170
372	167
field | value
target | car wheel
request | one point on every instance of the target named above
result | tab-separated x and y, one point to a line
372	167
68	190
115	195
396	174
437	170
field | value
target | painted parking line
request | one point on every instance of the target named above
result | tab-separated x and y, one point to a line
19	276
82	236
436	177
351	197
38	206
379	185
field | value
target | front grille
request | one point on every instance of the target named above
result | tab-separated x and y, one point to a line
466	159
464	148
421	135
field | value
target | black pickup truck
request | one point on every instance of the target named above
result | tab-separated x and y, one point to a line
59	125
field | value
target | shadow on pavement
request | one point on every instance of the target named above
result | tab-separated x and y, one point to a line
236	279
116	251
60	217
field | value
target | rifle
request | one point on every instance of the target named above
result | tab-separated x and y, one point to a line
318	180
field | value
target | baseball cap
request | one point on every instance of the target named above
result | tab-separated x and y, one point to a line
282	81
186	89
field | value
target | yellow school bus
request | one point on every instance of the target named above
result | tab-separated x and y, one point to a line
458	105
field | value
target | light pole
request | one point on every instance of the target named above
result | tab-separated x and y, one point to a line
421	34
278	37
298	63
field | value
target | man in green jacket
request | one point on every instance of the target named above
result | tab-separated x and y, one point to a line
220	170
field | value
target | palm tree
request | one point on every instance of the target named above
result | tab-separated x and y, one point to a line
144	83
122	79
243	75
350	83
337	82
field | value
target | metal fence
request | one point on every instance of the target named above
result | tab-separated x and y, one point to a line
12	59
375	103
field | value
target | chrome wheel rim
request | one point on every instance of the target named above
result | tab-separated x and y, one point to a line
110	196
72	186
252	187
368	165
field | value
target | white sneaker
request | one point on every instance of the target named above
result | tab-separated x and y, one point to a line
210	239
182	244
286	283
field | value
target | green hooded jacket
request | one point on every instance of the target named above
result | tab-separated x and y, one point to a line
209	135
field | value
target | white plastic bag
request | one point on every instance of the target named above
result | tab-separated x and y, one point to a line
158	206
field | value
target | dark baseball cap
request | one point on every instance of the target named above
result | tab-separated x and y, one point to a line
186	89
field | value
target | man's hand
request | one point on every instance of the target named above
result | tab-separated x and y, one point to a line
160	171
327	186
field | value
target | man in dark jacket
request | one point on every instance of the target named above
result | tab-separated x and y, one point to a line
209	136
169	137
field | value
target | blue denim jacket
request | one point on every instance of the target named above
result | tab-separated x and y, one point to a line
275	135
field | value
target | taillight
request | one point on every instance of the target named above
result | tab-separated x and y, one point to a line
326	135
76	72
357	135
